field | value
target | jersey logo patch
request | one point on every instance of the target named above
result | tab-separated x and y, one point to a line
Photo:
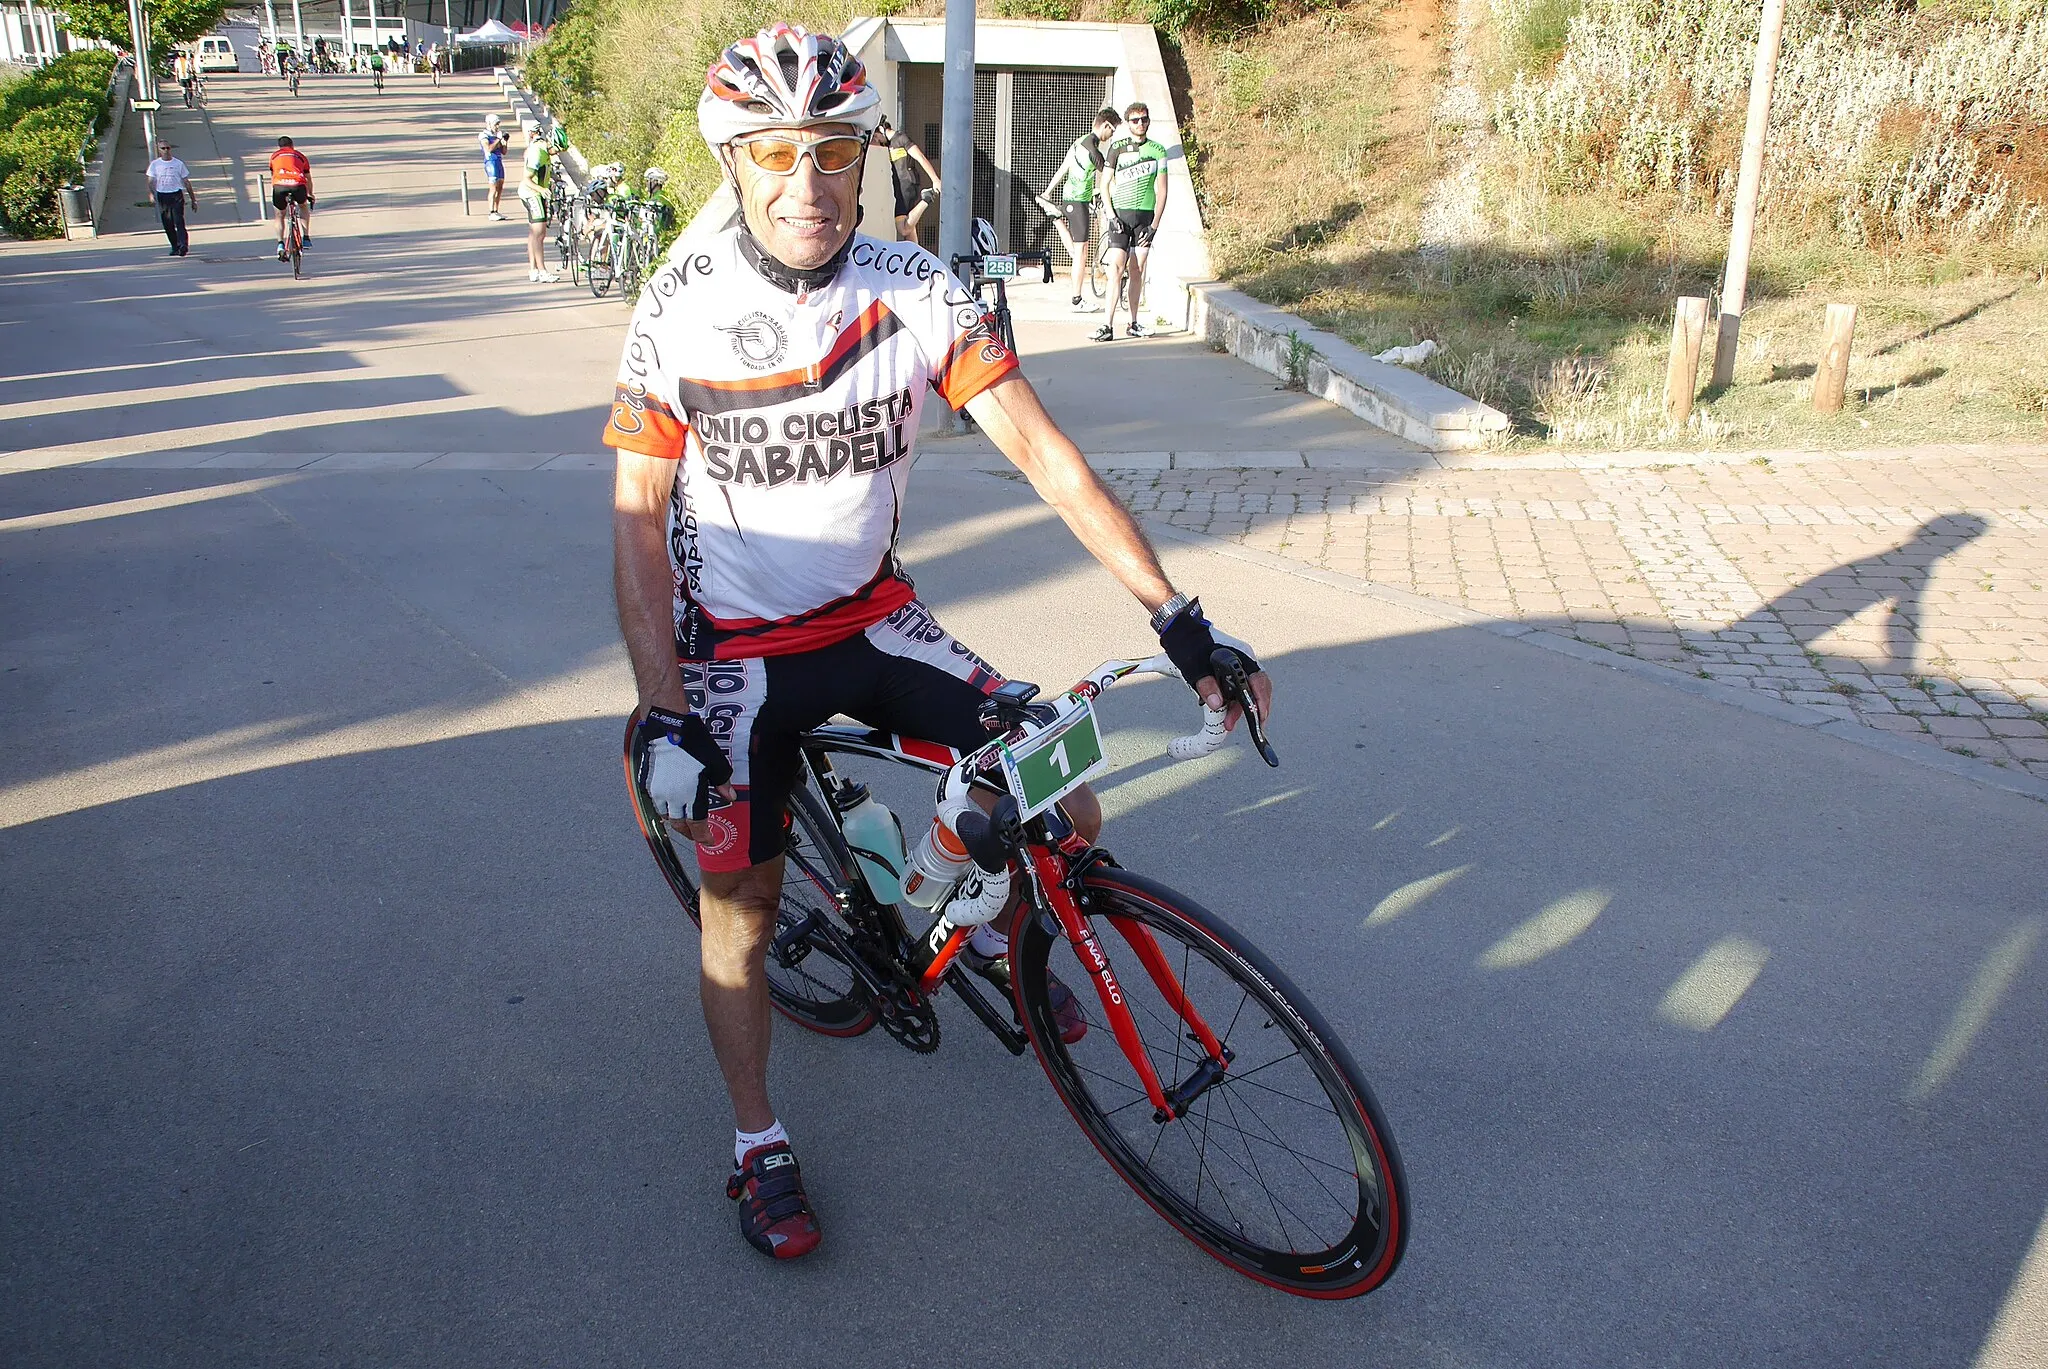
757	340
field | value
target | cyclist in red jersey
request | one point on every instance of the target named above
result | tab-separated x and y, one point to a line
291	183
767	401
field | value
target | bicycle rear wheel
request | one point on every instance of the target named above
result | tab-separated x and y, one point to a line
599	264
808	982
1284	1169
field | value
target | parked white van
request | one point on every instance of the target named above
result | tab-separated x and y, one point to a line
216	53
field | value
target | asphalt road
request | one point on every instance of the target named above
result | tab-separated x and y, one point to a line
347	1022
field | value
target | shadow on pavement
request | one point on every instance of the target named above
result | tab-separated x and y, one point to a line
392	1053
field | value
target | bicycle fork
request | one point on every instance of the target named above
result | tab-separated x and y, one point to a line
1049	880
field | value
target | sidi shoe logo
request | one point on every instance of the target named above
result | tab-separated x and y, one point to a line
777	1160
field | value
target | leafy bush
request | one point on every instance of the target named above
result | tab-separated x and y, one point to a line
564	70
1206	16
49	121
1062	10
41	159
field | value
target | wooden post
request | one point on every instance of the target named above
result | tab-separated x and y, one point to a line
1833	376
1735	283
1682	375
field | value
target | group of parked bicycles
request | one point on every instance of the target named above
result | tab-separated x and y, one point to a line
604	235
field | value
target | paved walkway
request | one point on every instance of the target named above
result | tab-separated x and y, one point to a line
1906	594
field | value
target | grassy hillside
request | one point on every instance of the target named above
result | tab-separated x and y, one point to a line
1532	182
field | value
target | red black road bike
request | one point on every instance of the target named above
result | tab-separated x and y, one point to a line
1205	1078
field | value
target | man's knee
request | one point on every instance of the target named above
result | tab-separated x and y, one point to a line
1084	810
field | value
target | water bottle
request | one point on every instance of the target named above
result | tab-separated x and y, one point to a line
939	860
876	839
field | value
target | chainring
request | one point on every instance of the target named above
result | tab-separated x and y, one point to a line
908	1017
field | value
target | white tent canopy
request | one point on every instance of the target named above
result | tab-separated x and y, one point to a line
493	32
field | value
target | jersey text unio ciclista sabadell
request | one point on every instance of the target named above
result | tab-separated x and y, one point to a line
793	415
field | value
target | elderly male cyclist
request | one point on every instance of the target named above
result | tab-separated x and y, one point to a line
767	400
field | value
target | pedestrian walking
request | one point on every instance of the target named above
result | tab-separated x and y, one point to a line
182	67
1071	194
911	174
494	145
170	181
434	62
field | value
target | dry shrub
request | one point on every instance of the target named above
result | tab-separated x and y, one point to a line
1900	126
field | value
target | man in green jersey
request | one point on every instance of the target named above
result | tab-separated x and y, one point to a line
1076	183
1135	168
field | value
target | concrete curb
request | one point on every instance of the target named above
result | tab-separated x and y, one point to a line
1799	715
957	454
100	171
1404	403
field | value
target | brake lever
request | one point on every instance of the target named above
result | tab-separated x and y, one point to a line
1236	688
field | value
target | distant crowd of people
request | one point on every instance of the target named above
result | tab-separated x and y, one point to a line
324	59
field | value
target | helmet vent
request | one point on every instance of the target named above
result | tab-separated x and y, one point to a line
787	60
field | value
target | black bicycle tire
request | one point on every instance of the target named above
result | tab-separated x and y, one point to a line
1349	1268
848	1018
595	268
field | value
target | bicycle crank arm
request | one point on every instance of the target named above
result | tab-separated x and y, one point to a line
1181	1096
956	980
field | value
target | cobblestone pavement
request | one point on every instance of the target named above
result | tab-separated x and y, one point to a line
1904	594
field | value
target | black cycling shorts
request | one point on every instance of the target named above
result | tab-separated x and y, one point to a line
1075	212
282	195
905	675
1130	229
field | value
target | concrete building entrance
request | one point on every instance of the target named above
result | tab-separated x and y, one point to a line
1024	121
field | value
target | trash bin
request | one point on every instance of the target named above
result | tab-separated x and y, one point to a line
77	208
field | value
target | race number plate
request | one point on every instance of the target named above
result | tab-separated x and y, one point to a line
1047	765
1003	264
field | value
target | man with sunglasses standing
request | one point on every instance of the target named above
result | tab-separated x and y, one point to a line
170	184
1136	170
767	401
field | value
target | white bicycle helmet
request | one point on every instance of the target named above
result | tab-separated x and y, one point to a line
656	178
984	238
785	77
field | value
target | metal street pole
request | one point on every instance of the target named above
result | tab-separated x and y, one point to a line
270	9
348	30
145	79
298	32
956	139
1735	284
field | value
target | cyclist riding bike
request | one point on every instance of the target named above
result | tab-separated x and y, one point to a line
291	189
1136	169
1077	185
766	405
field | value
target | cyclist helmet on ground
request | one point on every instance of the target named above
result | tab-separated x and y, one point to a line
785	77
560	137
984	238
656	178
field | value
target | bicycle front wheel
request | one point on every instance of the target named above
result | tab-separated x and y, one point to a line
599	265
808	981
1283	1168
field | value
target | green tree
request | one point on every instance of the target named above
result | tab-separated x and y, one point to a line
170	21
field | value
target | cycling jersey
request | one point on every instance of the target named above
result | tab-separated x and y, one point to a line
289	167
539	165
1084	159
793	416
1134	169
